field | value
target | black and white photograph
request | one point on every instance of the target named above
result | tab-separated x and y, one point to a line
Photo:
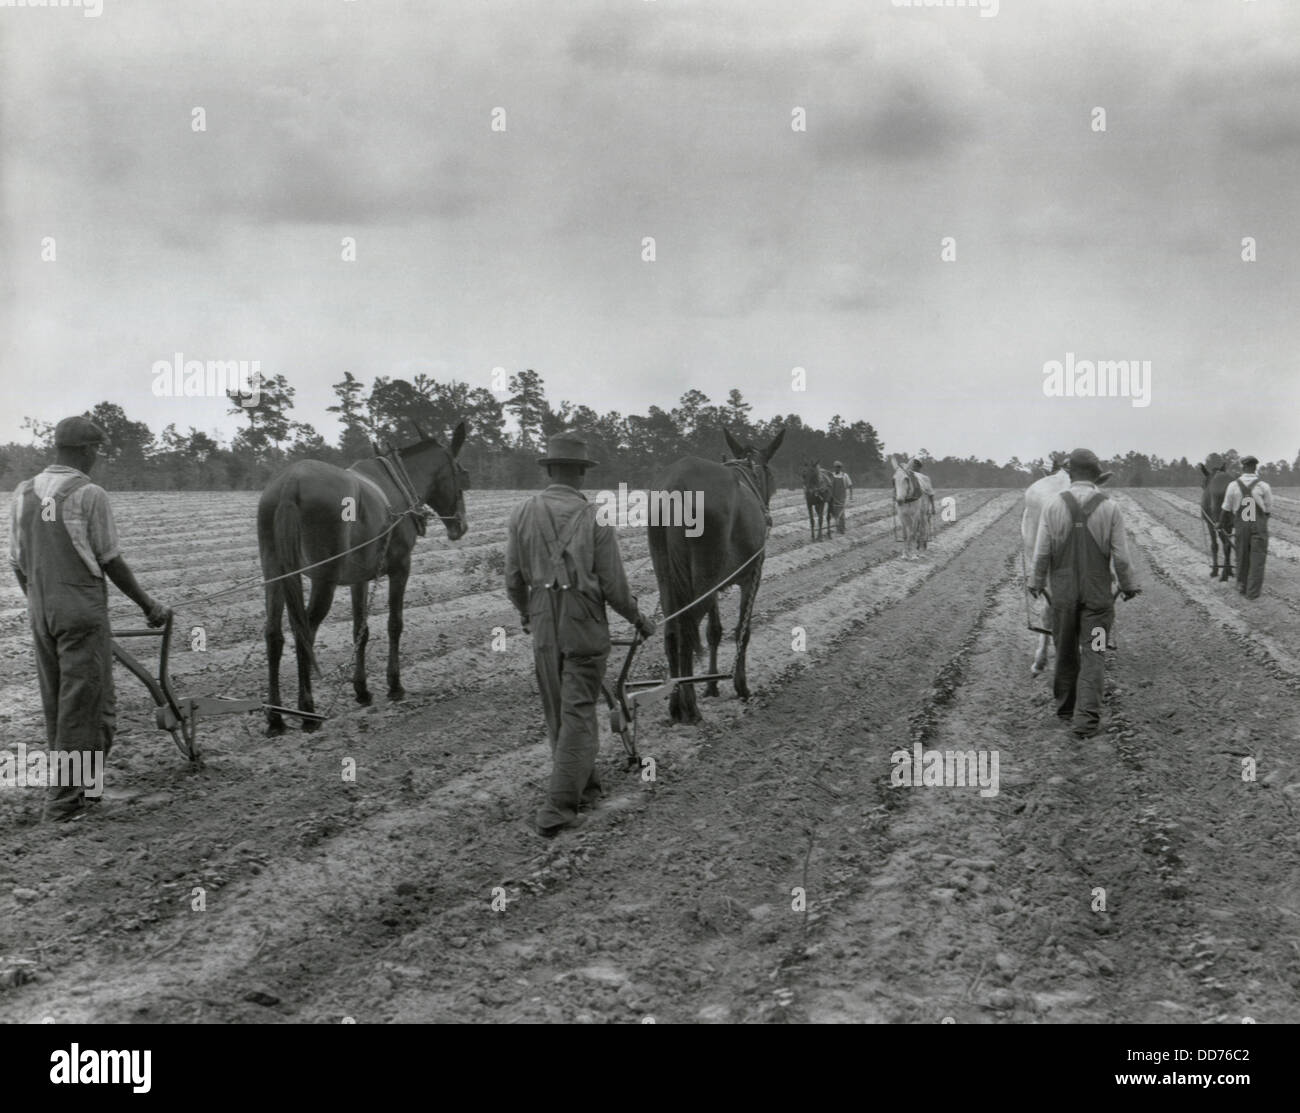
702	512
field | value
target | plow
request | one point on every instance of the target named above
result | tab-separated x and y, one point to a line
625	695
179	715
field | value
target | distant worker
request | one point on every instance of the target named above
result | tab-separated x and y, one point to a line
62	544
1248	502
841	492
562	568
1080	533
927	504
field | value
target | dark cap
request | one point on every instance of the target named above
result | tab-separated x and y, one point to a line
568	447
1081	459
74	432
1250	463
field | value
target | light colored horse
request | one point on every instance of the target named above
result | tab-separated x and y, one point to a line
913	515
1037	495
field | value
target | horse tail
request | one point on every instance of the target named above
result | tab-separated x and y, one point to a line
288	553
681	591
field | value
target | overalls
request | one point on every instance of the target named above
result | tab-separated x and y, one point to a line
1081	601
1252	545
570	650
68	609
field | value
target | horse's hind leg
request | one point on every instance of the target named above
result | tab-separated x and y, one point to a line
715	639
322	596
682	705
1214	549
360	636
748	593
396	597
274	650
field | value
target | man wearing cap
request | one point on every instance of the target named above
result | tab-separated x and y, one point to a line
62	544
1080	533
562	567
841	492
1248	502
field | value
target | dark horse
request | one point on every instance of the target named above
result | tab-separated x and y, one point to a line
313	511
817	495
1214	484
732	501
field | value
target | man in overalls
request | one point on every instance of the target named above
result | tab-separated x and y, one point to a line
1080	533
62	544
1248	502
562	567
841	492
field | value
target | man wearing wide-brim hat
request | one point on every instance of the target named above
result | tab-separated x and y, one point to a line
562	568
62	546
1080	534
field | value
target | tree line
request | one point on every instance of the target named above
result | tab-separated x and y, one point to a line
634	447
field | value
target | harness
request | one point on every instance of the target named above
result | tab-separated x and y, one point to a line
913	487
397	474
745	470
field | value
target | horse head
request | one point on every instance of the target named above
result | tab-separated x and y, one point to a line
440	479
758	460
1213	463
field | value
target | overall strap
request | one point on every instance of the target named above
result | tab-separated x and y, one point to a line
72	485
1079	516
557	546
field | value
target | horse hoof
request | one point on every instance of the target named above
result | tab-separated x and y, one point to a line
310	726
742	690
274	730
397	694
710	689
365	699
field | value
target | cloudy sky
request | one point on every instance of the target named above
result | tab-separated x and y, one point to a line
774	248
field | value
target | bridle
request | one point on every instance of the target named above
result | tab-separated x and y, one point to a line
418	503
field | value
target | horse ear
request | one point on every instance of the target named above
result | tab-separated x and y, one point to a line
1204	470
374	444
737	450
773	445
458	438
418	431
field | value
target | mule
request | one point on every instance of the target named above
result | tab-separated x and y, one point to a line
913	510
353	526
728	550
1214	485
817	497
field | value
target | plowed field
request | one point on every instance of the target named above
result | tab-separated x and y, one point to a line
770	871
